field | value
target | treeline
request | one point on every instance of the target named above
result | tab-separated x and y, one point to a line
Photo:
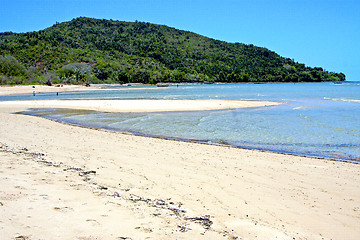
87	50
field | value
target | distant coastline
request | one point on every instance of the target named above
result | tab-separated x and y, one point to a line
44	88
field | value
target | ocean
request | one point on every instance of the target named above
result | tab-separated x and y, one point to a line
316	119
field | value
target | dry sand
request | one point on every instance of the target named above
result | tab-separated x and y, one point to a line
38	89
65	182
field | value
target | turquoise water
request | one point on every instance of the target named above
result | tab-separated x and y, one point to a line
315	119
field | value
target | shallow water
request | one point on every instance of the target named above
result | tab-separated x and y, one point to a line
315	119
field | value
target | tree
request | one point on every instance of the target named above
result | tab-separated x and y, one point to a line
122	77
80	71
10	66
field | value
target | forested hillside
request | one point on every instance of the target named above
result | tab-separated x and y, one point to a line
106	51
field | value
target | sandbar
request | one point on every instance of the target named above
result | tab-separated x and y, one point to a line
138	105
118	105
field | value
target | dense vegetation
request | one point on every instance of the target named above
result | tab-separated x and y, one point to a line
106	51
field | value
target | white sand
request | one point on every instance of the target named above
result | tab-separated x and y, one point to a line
140	183
138	105
38	89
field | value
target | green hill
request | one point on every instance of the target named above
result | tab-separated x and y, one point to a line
107	51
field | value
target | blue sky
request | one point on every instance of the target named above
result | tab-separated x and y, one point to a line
322	33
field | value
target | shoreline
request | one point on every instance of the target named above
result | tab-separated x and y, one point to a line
69	182
39	89
203	141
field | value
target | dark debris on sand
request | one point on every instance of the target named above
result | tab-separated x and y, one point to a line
87	175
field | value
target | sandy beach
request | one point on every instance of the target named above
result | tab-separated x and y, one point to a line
66	182
38	89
